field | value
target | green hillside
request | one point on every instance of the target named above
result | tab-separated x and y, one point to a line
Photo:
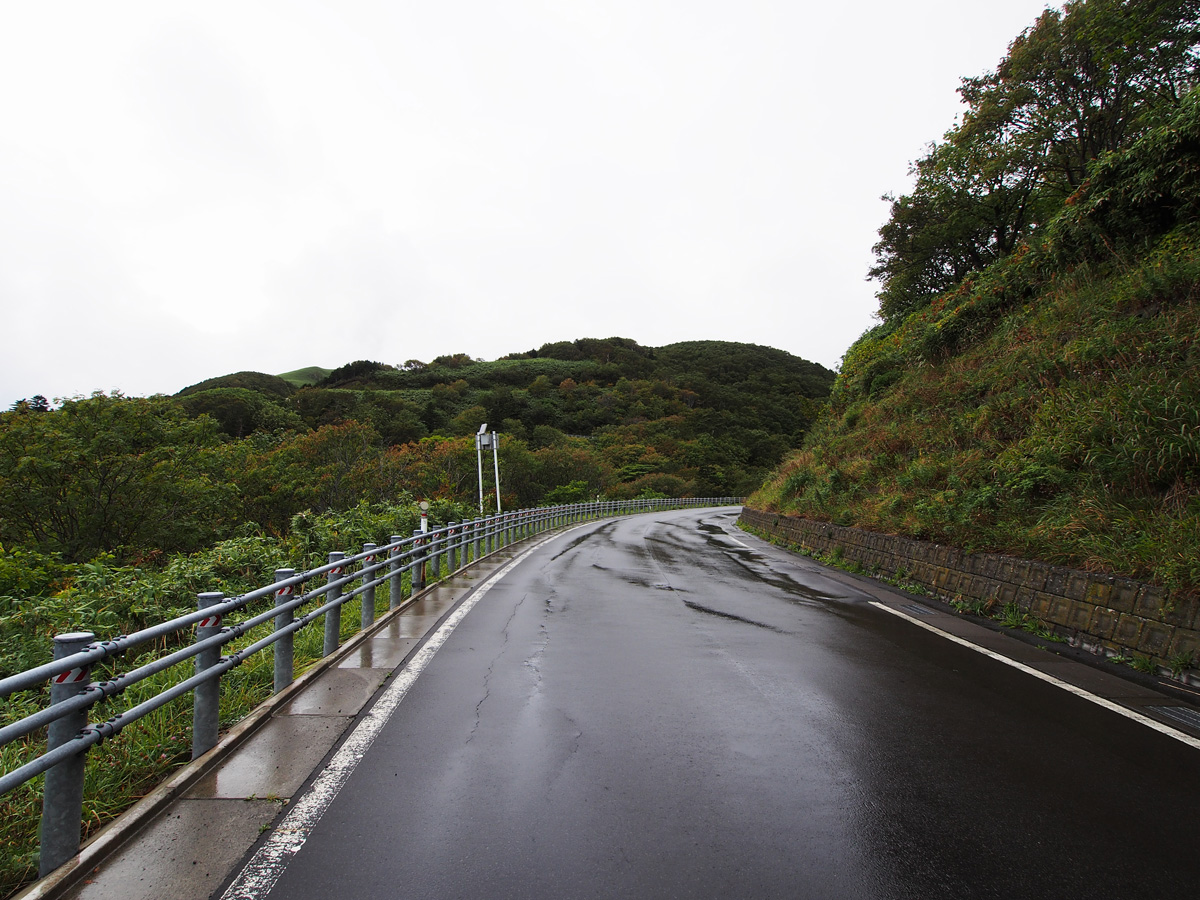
696	418
1034	384
271	385
306	376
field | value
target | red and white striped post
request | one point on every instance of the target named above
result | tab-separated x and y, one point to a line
396	570
62	798
206	698
418	569
333	618
284	646
368	595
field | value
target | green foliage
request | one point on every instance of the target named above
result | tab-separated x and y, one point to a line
1144	664
272	386
27	573
577	491
758	400
1181	662
361	371
1134	195
1065	431
1079	85
109	598
105	473
238	412
306	376
115	511
1031	388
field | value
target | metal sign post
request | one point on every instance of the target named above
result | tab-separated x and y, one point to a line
482	439
496	466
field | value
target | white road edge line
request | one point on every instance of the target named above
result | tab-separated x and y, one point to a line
262	871
1058	682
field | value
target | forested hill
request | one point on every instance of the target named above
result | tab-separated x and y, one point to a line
1034	384
250	452
579	418
755	400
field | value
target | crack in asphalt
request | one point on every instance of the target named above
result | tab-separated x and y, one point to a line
487	677
532	663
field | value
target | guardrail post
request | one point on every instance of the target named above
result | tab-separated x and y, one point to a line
206	698
474	540
452	548
62	796
333	618
284	655
395	584
368	594
435	557
418	569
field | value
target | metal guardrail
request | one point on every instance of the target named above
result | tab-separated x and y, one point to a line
73	694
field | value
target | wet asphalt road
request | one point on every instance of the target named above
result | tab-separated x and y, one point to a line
647	708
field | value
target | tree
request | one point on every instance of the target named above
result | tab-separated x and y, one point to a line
1078	84
108	473
974	200
1085	81
240	412
36	403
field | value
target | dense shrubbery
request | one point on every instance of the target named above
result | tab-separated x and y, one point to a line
140	477
41	596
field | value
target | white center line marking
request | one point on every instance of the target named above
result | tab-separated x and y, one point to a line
1058	682
269	862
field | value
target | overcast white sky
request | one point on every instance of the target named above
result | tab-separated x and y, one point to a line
188	190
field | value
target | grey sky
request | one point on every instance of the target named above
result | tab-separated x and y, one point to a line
191	190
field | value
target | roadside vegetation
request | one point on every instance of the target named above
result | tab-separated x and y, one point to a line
702	418
116	511
41	596
1032	385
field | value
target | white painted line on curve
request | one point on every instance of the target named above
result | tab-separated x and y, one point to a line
1058	682
260	874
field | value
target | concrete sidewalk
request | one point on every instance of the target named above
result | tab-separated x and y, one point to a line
189	835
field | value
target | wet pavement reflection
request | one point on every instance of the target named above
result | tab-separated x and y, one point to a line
663	706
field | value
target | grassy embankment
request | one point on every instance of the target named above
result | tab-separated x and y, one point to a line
1049	407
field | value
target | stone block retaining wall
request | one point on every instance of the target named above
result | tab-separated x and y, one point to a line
1103	613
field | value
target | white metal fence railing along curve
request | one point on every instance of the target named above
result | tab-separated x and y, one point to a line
424	555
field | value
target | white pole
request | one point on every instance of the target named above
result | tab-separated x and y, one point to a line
496	465
479	440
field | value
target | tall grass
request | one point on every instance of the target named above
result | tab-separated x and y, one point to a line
1068	431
